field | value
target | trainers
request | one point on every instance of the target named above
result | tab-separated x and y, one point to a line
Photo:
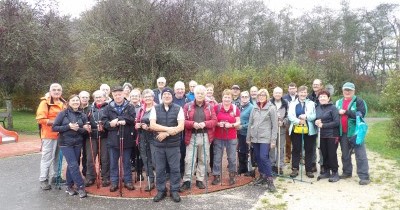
295	173
176	197
345	176
105	183
200	185
44	185
82	193
325	175
261	182
334	177
113	187
310	174
129	186
70	190
61	180
159	196
364	182
270	183
185	186
89	182
216	180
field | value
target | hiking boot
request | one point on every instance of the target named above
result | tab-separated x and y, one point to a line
274	170
185	186
287	160
295	173
334	177
232	179
129	186
345	176
70	190
310	174
270	184
176	197
322	170
89	182
262	181
200	185
105	183
325	175
159	196
113	187
82	193
250	173
44	185
149	187
364	182
257	181
314	167
61	180
217	180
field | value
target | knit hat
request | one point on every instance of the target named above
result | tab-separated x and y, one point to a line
349	86
167	89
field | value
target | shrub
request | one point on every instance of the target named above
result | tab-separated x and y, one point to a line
391	97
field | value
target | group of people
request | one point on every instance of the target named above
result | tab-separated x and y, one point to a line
176	135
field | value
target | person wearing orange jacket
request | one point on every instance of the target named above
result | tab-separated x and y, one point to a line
47	111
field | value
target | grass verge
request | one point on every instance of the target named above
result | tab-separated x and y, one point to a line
25	122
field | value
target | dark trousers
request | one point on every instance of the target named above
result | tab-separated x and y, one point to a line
243	152
297	150
114	166
84	158
104	159
261	152
328	148
72	155
145	154
167	156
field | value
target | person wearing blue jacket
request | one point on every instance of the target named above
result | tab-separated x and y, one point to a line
243	151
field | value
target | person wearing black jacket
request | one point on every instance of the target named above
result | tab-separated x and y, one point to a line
71	125
327	120
95	113
119	119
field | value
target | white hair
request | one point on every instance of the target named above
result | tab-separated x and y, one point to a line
161	79
84	93
99	93
199	88
192	81
179	84
278	89
102	86
55	85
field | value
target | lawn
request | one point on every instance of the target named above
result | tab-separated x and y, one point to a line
377	140
24	122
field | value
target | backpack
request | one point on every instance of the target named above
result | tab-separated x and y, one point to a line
190	104
220	106
40	125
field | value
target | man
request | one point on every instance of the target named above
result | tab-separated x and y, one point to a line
199	132
161	83
289	97
47	111
119	120
168	120
253	95
135	98
190	94
84	97
106	89
349	106
99	136
236	95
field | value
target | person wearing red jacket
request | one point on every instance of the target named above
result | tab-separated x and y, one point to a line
200	121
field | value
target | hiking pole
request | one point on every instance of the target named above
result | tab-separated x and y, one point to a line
279	148
147	169
301	165
58	179
91	150
139	167
121	144
192	165
98	159
205	163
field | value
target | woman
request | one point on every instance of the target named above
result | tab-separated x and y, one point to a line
243	151
127	89
71	126
228	119
328	122
262	133
146	136
302	115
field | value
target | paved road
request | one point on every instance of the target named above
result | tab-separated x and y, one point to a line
19	189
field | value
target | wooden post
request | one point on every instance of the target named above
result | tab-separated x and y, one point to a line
9	110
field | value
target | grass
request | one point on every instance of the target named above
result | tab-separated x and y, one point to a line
377	139
25	122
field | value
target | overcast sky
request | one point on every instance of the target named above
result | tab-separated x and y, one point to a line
75	7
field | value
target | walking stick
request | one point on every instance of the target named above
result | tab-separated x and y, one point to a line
121	150
147	169
139	168
98	159
205	163
58	179
279	148
93	158
192	165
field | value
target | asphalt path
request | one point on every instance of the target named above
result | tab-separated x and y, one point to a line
20	190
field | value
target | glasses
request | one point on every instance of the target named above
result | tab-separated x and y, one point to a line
135	96
147	96
263	95
244	96
55	89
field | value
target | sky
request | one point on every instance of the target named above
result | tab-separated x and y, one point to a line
75	7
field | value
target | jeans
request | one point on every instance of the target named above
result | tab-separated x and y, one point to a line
104	159
197	153
72	156
361	158
50	156
170	156
114	169
261	151
297	150
274	153
230	146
